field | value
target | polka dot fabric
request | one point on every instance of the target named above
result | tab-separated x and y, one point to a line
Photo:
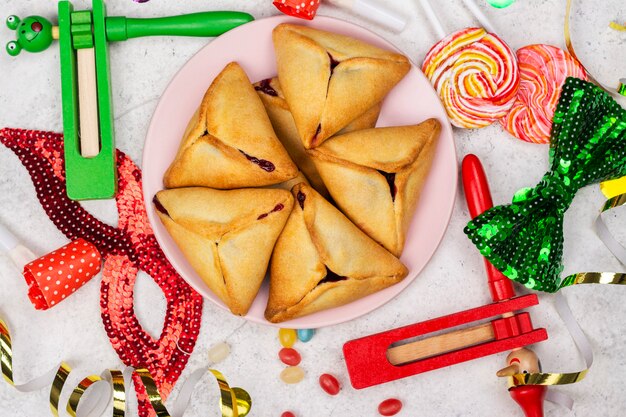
55	276
298	8
125	249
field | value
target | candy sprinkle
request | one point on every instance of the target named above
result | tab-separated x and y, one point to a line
289	356
500	4
329	384
390	407
292	375
287	337
219	352
305	335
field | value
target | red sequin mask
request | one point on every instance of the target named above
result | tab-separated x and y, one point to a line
125	249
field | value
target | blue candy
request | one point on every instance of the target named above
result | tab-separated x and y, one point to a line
304	335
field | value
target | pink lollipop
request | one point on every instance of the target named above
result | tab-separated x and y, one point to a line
543	70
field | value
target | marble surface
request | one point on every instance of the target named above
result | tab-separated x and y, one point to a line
452	281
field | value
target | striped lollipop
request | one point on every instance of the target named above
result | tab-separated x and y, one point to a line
543	70
476	76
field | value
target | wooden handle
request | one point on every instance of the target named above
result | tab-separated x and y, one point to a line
88	103
478	197
440	344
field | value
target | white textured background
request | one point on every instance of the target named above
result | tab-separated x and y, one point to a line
453	280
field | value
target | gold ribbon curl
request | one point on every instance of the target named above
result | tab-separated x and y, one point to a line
234	402
621	89
617	200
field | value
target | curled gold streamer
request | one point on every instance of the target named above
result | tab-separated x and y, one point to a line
547	378
6	356
622	86
613	188
617	26
234	402
57	386
570	48
615	278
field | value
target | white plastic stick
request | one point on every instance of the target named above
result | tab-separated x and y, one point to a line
19	254
479	15
433	19
374	10
8	241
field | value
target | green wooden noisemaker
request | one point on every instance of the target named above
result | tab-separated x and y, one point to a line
89	145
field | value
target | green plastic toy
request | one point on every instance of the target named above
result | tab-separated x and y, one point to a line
83	36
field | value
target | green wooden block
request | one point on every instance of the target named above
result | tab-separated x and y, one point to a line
86	178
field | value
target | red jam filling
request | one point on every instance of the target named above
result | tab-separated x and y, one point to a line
262	163
391	178
333	63
265	87
301	197
278	207
331	277
159	206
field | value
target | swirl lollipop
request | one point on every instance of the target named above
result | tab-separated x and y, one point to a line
543	70
474	72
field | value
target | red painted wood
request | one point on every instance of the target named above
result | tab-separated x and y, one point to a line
478	197
366	358
530	398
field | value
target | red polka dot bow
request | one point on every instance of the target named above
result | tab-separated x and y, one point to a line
298	8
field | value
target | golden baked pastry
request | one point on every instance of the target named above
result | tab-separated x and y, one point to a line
321	260
229	142
278	111
375	176
289	184
226	235
329	79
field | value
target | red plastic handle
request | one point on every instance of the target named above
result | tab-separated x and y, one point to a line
478	199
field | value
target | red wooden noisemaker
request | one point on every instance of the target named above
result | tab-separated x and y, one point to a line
498	327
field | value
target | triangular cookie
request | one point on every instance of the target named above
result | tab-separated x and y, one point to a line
227	236
329	80
376	175
229	142
321	260
278	111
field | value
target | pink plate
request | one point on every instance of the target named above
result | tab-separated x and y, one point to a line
410	102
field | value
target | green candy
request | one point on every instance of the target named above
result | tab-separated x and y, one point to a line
500	4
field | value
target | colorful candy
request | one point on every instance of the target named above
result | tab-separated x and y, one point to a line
543	70
219	352
289	356
287	337
390	407
476	76
329	384
500	4
287	414
292	375
305	335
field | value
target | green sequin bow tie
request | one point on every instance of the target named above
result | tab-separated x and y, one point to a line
524	239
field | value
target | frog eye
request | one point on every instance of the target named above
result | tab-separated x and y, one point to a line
12	22
13	48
